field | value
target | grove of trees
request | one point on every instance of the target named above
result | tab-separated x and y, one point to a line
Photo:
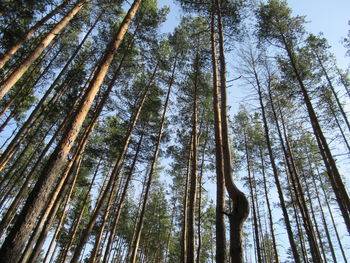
118	142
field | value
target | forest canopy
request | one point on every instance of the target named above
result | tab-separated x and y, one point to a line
130	135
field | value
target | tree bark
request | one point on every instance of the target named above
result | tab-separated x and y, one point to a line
136	241
38	197
220	254
194	173
18	73
329	162
12	50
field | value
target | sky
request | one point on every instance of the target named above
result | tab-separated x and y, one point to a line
325	16
330	18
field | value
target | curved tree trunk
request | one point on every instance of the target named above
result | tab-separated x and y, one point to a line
240	202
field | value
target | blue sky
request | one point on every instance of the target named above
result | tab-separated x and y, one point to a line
325	16
329	17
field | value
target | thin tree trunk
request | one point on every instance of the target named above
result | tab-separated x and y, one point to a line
330	84
121	201
276	175
136	241
74	228
25	83
199	222
299	192
274	243
18	73
57	196
114	173
194	174
36	251
322	213
332	217
332	169
250	182
183	242
5	157
319	236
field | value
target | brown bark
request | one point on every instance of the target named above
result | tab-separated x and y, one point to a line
114	174
136	241
299	192
220	254
121	202
38	197
184	226
330	84
74	227
18	73
253	197
240	202
39	244
329	162
200	179
12	50
272	230
26	81
332	217
276	172
330	243
194	173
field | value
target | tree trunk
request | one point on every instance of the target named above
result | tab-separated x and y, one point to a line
274	243
121	202
240	202
184	226
194	173
330	84
12	50
136	241
250	182
18	73
114	174
220	255
199	232
332	169
276	174
38	197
